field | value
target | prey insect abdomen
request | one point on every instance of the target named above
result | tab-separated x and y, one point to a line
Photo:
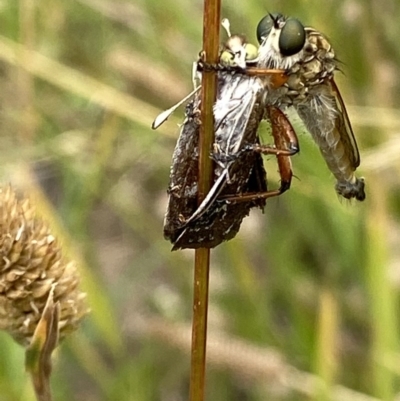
237	116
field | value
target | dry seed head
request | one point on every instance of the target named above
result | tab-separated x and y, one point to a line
31	263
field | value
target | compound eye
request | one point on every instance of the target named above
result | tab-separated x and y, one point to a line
265	25
292	37
251	52
226	58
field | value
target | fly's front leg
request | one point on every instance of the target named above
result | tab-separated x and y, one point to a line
276	78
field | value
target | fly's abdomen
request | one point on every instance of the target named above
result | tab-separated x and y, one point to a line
337	159
330	128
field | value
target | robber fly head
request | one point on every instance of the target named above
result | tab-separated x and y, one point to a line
236	51
281	41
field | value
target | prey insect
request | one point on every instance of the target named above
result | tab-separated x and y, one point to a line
310	63
184	226
239	170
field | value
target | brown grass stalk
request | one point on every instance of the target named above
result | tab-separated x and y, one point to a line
212	9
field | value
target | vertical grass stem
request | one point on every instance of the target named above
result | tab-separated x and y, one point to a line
212	9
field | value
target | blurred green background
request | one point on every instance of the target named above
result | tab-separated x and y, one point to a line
304	303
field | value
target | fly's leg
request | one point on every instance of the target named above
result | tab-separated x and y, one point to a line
276	77
286	145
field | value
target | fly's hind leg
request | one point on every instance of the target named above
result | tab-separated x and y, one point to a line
286	145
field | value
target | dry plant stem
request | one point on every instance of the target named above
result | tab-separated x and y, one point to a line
212	10
199	324
38	354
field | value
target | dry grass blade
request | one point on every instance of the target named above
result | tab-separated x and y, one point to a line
125	13
379	117
38	354
154	77
77	83
382	157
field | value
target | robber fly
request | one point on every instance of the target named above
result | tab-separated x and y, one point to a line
310	63
239	167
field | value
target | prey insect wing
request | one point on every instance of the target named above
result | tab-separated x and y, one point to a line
182	191
236	172
233	110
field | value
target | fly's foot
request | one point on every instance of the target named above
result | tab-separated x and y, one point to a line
285	185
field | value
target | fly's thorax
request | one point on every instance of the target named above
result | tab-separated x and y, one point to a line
318	62
317	66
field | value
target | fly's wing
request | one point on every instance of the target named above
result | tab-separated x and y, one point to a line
343	126
182	191
325	117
